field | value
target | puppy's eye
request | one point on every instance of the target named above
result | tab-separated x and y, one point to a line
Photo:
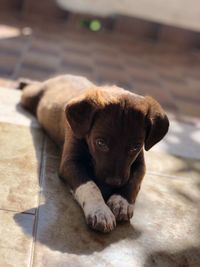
102	145
135	148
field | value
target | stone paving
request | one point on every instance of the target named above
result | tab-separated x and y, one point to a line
41	225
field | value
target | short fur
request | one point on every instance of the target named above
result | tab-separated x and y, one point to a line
102	132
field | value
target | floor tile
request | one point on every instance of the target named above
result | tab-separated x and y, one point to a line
105	50
191	109
105	75
11	111
16	239
20	157
76	59
15	45
47	60
167	210
8	62
42	46
165	229
8	83
181	140
165	164
33	73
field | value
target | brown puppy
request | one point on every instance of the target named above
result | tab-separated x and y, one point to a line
102	131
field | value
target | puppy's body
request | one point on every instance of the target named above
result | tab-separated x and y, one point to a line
47	101
102	132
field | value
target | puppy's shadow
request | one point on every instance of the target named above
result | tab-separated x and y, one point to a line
59	221
68	233
61	225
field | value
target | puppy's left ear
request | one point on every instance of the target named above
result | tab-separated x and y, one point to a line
157	123
79	113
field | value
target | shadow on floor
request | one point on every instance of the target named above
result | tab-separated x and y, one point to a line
189	257
61	234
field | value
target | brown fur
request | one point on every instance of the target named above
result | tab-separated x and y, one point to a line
102	131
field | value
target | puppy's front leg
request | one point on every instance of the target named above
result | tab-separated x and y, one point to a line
75	170
97	213
122	202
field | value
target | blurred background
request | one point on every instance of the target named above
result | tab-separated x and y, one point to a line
150	47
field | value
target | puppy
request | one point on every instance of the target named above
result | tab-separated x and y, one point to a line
102	132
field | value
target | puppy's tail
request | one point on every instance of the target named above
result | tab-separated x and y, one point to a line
31	95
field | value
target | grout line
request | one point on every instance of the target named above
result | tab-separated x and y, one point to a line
35	226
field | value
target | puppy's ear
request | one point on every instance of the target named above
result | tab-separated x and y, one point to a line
79	113
157	123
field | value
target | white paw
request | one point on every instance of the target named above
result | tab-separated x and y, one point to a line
120	207
100	218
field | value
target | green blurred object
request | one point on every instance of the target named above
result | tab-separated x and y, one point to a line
93	25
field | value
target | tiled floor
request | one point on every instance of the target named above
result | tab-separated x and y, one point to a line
169	73
41	225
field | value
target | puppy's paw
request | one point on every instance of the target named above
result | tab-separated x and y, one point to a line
101	218
120	207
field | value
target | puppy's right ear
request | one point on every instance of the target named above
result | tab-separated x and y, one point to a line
79	113
157	123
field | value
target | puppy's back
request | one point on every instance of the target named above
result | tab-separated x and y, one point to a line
47	100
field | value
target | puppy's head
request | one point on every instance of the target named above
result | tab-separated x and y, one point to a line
116	124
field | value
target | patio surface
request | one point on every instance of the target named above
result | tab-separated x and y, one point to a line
41	225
